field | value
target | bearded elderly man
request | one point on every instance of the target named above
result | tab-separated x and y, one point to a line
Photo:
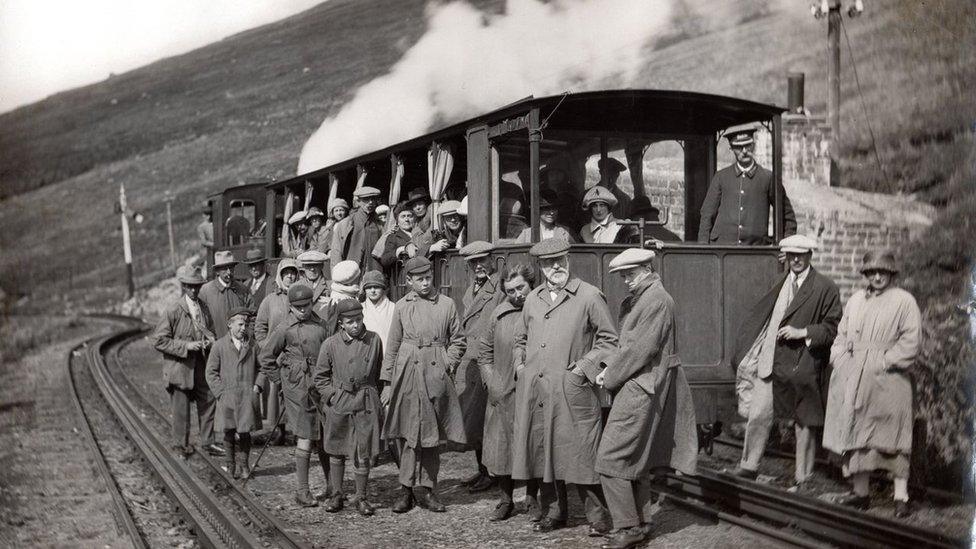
566	333
223	293
354	237
782	356
478	302
652	422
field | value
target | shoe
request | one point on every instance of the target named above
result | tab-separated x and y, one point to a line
599	529
279	437
483	483
647	528
188	450
469	481
502	511
405	502
334	505
244	471
747	474
215	450
305	499
178	449
625	538
902	508
231	467
533	509
548	524
855	501
429	501
365	509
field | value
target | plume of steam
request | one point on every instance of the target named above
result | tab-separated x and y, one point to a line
469	63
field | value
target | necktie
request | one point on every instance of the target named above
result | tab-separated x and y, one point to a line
793	289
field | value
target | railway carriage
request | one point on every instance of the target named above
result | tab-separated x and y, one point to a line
654	146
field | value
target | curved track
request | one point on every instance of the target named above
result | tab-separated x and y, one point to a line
215	524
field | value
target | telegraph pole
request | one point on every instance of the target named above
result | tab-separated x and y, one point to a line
126	244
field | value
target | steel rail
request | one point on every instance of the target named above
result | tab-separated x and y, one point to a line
214	525
120	510
817	519
258	514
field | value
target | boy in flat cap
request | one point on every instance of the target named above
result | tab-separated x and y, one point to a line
232	368
652	421
288	358
426	345
736	207
347	376
354	237
565	333
782	354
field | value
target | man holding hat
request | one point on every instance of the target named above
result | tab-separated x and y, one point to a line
566	333
232	368
869	404
294	235
316	229
397	244
652	421
288	358
603	228
426	346
354	237
224	293
782	355
736	207
205	233
183	335
347	376
260	282
478	302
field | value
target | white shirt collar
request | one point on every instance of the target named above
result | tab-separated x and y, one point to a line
799	278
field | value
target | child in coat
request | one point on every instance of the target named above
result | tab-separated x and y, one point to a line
346	376
231	370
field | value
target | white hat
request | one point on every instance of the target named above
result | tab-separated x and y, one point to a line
797	244
297	217
599	194
630	258
224	258
312	257
345	272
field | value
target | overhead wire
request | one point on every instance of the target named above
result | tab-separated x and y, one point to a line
864	109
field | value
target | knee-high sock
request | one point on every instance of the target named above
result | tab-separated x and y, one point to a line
337	467
901	489
302	457
324	463
229	442
478	454
244	441
532	488
362	477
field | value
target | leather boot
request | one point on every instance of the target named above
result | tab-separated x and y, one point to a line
405	502
429	501
244	464
625	538
305	499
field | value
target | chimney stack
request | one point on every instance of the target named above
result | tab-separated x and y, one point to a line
795	92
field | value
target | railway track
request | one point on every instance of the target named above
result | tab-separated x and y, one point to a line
216	523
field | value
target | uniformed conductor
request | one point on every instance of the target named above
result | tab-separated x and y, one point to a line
736	208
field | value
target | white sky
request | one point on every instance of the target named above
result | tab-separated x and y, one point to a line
48	46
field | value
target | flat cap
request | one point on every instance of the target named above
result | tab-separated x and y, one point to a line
797	244
463	206
630	258
314	212
417	265
338	203
366	190
449	207
254	256
374	279
349	307
297	217
550	247
239	310
189	274
598	193
311	257
879	261
475	250
417	194
224	258
299	294
345	272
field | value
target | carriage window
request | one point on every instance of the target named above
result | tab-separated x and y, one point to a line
240	221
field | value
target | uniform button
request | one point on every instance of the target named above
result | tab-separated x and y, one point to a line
540	375
543	345
740	226
740	242
547	317
742	191
540	405
433	363
741	209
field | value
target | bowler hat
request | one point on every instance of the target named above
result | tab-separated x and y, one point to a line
549	248
188	274
879	261
254	256
417	265
299	294
224	258
349	307
630	258
374	279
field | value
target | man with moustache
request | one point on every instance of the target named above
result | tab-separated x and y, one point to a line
260	283
478	302
223	293
354	237
566	333
652	421
736	207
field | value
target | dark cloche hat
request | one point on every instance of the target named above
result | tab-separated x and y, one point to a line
374	279
417	265
418	194
299	294
349	307
550	247
879	261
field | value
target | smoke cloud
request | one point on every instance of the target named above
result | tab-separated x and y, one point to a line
469	63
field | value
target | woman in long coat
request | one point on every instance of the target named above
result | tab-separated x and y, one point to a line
274	309
869	403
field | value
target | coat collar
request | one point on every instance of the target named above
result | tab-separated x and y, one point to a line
571	288
506	307
739	172
802	294
414	296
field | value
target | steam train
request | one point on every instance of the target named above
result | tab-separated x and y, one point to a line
665	146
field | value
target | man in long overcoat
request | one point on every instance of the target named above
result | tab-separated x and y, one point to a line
652	421
479	300
260	284
288	357
425	348
736	208
354	237
566	332
782	356
183	335
223	293
869	405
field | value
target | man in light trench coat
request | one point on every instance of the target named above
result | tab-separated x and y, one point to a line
566	332
652	421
